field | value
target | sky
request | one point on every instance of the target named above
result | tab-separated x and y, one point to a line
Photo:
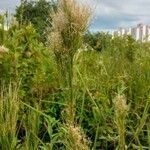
107	15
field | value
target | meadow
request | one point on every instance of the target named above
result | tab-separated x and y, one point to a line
59	96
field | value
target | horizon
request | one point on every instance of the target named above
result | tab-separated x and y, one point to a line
107	16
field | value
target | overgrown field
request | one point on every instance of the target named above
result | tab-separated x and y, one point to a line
58	96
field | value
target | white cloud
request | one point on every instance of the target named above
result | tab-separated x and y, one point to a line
107	14
115	13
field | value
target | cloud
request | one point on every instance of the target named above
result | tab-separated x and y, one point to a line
107	14
111	14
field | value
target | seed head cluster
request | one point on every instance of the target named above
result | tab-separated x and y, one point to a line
121	106
76	137
69	24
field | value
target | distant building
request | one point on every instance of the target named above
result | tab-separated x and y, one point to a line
141	32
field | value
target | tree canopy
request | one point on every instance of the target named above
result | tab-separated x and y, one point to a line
37	13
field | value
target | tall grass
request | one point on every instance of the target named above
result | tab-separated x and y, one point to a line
9	114
71	99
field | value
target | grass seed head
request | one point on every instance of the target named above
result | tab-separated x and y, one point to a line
121	106
76	138
69	25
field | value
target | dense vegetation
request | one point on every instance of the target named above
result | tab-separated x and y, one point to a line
63	97
37	13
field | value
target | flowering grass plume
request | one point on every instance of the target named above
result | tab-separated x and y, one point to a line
74	138
68	27
121	109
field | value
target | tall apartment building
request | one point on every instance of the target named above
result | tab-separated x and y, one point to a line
141	32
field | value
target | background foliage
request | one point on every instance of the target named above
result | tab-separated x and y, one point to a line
37	13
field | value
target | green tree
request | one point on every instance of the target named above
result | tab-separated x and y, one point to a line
37	13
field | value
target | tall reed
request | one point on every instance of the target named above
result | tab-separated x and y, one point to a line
69	24
9	109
